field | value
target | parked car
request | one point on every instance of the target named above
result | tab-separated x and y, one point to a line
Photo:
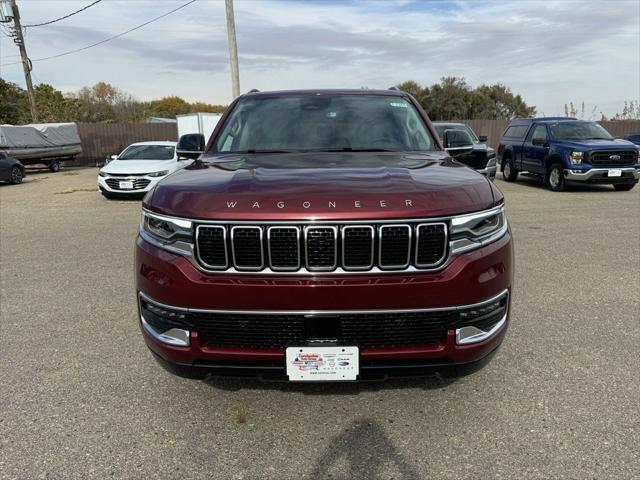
323	235
139	168
562	150
633	137
482	158
11	169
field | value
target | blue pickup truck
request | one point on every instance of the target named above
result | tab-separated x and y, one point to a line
562	150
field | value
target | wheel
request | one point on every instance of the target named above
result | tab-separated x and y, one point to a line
16	175
509	172
54	166
555	178
624	187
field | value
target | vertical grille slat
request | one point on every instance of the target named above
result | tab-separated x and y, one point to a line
431	244
284	248
211	246
321	248
246	244
395	245
357	247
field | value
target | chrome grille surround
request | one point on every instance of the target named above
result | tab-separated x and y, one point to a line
453	247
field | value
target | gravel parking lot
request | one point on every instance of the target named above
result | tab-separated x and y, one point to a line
81	396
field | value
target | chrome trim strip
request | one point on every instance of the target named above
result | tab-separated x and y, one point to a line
224	240
373	241
444	250
335	248
396	267
174	336
326	312
284	227
233	250
323	222
481	335
580	177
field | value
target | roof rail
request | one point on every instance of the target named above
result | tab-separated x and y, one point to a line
254	90
554	118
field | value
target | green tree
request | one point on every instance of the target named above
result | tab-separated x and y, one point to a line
170	107
13	104
53	106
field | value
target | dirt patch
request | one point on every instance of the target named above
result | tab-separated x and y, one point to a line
70	173
74	190
31	179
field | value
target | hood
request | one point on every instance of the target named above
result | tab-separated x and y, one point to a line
138	166
322	186
616	144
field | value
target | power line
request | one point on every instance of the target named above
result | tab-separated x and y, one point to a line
106	39
61	18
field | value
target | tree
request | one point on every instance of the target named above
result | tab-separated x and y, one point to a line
13	103
53	106
453	98
630	111
170	107
105	103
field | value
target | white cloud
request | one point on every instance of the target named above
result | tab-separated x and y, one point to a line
550	52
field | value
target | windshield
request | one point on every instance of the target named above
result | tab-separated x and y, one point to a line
579	131
148	152
295	123
442	128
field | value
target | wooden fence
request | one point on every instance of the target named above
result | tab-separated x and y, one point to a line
102	139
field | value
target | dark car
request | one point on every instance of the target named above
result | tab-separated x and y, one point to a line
633	137
562	150
11	170
323	235
482	158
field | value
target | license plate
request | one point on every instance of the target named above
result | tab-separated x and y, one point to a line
321	364
126	185
615	172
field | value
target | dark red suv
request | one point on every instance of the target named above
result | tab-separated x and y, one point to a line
323	235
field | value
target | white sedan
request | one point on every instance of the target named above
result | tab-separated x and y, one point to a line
138	168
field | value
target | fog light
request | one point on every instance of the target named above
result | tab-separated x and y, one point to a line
471	334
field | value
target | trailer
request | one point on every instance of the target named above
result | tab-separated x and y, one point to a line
44	143
203	123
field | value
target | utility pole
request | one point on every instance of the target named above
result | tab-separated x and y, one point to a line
233	49
26	63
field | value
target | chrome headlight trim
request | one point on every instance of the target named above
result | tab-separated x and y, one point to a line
468	232
170	233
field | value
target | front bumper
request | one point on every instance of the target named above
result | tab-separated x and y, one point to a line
489	172
470	278
601	175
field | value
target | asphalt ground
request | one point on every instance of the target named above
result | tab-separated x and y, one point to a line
81	397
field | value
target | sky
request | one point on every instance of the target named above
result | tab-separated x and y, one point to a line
550	52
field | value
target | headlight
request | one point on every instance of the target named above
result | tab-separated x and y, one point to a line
576	157
173	234
477	229
159	174
102	174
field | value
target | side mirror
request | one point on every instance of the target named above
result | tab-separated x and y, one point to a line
191	145
457	142
538	142
483	138
110	158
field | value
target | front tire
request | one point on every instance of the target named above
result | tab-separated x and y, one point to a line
509	172
624	187
16	175
54	166
555	178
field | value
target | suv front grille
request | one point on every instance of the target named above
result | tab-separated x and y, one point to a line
321	248
138	183
624	157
